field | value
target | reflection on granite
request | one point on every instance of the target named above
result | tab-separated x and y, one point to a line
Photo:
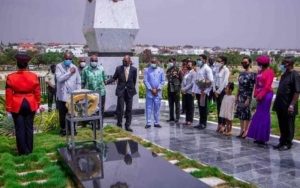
124	164
243	159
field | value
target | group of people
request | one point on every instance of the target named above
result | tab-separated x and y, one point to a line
23	92
209	81
201	79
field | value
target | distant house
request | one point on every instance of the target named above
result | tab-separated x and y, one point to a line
24	47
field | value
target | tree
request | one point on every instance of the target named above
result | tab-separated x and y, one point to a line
146	56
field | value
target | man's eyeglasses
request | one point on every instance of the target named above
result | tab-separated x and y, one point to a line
68	58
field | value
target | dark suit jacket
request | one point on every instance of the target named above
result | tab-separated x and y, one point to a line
121	147
122	84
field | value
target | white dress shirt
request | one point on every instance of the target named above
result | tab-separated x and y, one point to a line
203	72
222	77
66	81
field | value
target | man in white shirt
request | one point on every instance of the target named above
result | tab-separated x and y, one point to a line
221	81
68	79
204	75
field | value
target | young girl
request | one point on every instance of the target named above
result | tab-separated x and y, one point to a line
227	109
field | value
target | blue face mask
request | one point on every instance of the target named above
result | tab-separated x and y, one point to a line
282	68
199	63
154	66
67	62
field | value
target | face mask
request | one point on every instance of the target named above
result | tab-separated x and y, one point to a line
67	62
246	66
82	64
218	65
53	70
154	66
199	63
125	64
259	68
189	68
282	68
94	64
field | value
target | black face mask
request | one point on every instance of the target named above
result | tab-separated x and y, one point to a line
22	65
53	70
246	66
189	68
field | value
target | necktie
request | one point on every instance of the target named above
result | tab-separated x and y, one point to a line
126	73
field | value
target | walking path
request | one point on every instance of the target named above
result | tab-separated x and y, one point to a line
240	158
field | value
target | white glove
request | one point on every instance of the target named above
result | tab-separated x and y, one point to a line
9	116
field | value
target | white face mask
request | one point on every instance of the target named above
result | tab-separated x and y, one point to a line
218	65
82	64
94	64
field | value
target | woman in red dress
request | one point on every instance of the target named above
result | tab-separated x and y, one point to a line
22	101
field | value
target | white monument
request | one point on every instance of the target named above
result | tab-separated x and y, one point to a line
110	28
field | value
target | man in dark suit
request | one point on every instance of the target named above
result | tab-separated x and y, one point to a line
126	75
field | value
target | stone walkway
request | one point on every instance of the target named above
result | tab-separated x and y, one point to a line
242	159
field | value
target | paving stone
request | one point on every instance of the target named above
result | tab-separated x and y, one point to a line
240	158
174	161
190	170
213	181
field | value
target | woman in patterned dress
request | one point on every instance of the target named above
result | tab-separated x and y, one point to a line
246	84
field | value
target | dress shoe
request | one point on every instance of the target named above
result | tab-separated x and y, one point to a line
203	126
157	126
62	133
285	147
278	146
260	142
147	126
197	127
177	120
128	129
170	120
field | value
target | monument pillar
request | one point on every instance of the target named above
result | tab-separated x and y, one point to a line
110	28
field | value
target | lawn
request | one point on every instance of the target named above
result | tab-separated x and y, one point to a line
43	168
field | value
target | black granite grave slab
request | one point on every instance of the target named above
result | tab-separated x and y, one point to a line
124	164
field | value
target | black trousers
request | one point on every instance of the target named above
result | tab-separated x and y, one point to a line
62	112
174	99
287	127
219	102
183	101
102	104
203	110
51	96
120	109
189	107
24	128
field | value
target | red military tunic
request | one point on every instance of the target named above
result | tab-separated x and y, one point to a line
21	85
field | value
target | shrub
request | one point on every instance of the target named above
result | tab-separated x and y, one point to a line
46	121
142	91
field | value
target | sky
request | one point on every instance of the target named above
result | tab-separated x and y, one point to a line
224	23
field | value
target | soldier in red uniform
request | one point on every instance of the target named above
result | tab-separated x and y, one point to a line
22	101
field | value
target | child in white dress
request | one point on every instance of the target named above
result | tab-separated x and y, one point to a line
227	109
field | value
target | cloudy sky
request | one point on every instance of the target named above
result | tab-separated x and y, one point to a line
225	23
